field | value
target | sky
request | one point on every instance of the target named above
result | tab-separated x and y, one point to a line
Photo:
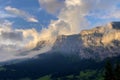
30	8
23	23
99	14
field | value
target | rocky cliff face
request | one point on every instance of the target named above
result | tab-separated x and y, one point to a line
97	43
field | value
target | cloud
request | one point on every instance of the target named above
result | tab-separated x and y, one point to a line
71	18
72	14
32	19
113	14
13	36
5	15
21	14
52	6
14	42
8	35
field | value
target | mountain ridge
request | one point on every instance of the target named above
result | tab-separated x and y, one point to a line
99	42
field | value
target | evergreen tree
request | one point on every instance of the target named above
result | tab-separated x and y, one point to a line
117	71
109	75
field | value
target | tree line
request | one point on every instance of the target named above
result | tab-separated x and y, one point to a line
112	72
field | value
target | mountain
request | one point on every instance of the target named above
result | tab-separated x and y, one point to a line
77	55
97	43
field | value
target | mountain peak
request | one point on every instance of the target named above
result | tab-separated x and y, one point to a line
114	25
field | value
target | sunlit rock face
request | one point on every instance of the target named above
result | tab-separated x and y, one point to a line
97	43
102	35
113	33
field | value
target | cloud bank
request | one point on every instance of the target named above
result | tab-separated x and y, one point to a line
18	43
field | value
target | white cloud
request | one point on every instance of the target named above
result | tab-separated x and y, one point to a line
71	17
5	15
21	14
31	19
